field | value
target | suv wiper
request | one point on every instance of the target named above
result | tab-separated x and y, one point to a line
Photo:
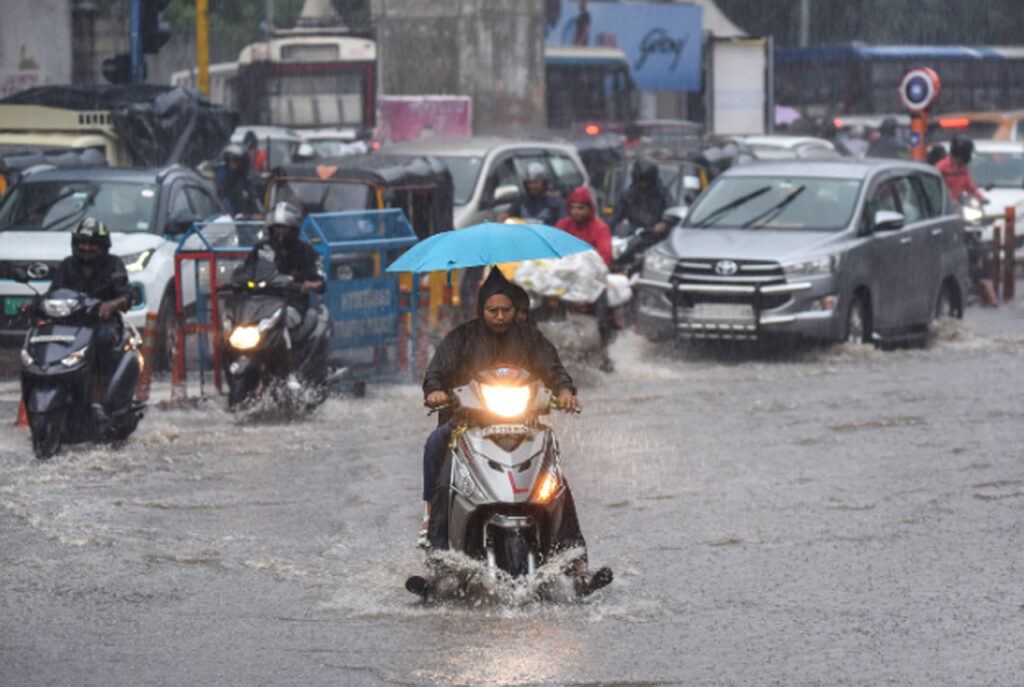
731	205
85	205
774	210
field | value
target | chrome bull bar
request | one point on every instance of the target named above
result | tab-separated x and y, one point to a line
727	329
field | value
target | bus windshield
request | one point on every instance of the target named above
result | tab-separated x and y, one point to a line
313	98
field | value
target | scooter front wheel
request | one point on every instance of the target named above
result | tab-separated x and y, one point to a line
47	430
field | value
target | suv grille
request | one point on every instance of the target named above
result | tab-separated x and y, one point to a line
7	266
702	271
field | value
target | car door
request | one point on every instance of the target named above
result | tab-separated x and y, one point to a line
920	270
889	253
940	236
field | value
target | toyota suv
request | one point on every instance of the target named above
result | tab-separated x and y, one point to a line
146	210
862	250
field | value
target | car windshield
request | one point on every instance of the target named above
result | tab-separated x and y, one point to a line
58	205
323	196
464	171
1002	169
811	203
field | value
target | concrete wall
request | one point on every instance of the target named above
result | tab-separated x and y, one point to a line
35	44
490	50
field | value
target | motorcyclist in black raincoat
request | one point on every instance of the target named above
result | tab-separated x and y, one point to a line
494	337
236	187
643	203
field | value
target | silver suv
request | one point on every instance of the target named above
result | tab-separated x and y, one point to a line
859	250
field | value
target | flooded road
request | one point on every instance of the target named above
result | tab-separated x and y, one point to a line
829	516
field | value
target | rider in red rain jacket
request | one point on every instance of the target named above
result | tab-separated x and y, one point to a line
583	224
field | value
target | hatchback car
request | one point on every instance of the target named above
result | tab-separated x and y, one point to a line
486	171
146	210
864	250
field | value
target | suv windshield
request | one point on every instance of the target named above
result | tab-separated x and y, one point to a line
464	171
1003	169
811	203
59	205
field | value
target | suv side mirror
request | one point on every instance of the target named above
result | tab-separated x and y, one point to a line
887	220
181	222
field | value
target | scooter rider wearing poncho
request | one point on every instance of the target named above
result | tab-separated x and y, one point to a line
493	338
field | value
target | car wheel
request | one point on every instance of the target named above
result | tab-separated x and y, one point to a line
858	321
166	334
946	304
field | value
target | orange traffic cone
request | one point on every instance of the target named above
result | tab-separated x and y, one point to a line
22	420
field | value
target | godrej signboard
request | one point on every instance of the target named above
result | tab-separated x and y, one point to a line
662	41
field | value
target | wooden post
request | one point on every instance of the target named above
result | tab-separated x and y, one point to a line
1010	258
997	234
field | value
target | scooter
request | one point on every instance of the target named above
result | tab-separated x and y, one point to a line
507	496
59	370
978	238
255	351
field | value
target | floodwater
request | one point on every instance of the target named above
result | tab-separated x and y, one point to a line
828	516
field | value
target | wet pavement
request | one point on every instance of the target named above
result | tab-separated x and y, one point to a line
837	515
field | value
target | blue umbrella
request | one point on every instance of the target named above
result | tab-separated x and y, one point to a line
489	243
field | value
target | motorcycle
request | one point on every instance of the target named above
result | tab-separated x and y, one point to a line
978	237
59	370
507	496
255	354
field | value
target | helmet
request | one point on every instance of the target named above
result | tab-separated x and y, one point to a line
535	171
962	147
645	171
236	150
90	230
284	215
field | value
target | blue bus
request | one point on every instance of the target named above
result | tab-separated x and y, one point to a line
863	79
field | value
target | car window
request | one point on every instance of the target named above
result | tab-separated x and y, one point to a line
910	201
179	203
931	188
1000	169
1019	130
503	174
566	171
203	204
464	171
883	198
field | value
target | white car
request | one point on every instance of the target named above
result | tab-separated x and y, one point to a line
146	210
487	171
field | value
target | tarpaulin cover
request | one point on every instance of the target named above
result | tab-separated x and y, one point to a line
160	125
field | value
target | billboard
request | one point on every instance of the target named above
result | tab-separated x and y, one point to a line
412	117
662	41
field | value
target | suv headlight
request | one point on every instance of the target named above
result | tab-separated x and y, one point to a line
658	262
826	264
136	262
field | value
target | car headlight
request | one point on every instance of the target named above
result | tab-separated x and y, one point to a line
803	268
507	401
244	338
59	307
971	214
26	359
136	262
658	262
75	357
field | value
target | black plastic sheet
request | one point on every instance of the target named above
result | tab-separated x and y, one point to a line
160	125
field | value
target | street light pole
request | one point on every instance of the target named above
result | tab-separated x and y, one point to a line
137	58
805	22
203	46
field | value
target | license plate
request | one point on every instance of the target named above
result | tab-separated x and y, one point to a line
723	311
12	306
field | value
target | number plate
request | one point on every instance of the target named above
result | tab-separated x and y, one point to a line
734	312
12	305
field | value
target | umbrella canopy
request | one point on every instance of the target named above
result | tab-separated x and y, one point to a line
489	243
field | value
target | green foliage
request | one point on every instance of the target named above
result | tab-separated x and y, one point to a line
881	22
236	23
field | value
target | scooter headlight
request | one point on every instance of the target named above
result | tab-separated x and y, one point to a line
506	401
59	307
971	213
244	338
74	358
26	359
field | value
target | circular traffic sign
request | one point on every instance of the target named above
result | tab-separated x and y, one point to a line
919	88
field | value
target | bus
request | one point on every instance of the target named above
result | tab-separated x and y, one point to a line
297	81
862	79
588	85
